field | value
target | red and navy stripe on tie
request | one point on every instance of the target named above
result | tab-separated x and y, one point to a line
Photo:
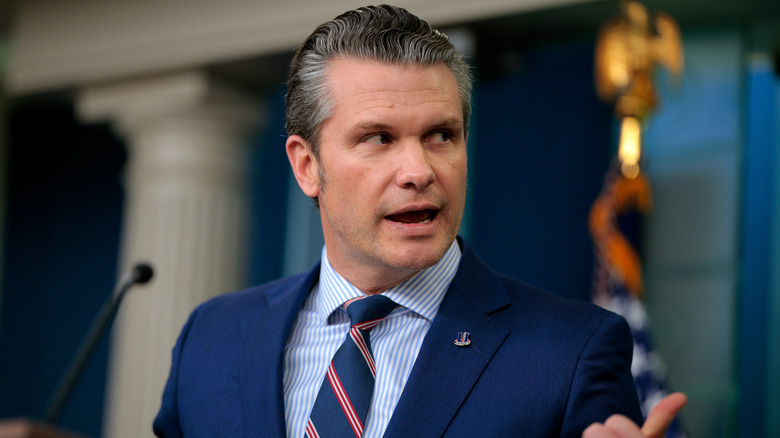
351	371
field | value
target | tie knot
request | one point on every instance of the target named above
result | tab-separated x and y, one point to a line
367	311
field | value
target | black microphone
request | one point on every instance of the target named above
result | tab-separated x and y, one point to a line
140	274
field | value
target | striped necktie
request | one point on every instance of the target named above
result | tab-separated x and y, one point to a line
342	403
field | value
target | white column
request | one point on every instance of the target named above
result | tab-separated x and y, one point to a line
186	213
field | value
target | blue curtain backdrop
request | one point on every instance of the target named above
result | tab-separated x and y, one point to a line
64	212
270	173
542	143
757	219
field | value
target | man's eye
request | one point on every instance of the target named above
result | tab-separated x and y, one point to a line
441	137
378	139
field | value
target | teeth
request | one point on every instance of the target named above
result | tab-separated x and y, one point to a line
426	221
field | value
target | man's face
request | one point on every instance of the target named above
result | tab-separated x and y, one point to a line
391	173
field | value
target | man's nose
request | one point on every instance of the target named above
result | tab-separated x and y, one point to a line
415	168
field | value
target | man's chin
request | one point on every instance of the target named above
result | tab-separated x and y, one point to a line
417	259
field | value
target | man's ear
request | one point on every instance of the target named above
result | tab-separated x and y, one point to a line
304	165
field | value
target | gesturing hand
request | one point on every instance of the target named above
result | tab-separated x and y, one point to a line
619	426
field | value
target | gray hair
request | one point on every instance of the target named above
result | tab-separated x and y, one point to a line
382	33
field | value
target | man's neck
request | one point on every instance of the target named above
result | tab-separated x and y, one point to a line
375	281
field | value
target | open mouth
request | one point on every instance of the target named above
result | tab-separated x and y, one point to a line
413	217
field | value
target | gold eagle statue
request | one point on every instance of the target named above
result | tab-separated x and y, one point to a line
627	50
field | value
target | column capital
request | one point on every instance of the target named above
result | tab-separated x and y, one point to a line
182	130
192	93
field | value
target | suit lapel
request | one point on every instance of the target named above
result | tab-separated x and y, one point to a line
444	374
262	356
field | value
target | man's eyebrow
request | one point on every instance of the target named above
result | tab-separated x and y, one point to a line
372	126
454	121
379	126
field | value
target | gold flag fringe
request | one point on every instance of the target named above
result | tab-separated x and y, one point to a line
619	195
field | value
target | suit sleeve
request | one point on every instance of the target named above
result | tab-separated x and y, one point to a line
602	384
166	424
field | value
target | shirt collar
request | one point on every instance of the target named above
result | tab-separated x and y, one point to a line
422	293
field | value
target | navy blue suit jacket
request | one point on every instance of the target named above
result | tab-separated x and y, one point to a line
537	366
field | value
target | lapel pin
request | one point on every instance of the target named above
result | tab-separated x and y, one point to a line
463	339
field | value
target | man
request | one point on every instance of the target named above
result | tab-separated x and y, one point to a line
377	113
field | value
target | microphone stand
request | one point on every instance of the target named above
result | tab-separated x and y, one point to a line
140	274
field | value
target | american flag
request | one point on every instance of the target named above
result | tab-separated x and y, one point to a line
617	277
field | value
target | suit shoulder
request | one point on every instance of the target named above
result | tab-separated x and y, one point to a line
517	300
532	302
252	298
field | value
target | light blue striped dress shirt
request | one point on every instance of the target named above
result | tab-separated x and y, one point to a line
322	325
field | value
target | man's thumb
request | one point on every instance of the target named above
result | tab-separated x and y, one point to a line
662	415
